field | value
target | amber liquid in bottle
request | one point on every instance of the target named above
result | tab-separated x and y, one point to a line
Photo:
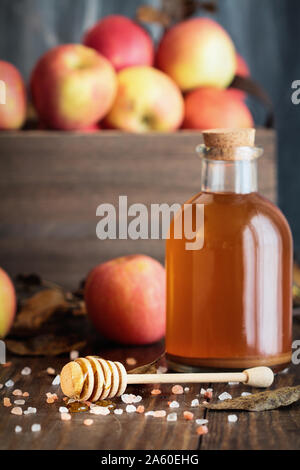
229	303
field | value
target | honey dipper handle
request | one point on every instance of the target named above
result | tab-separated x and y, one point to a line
256	377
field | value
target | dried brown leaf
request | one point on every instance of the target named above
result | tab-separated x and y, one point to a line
148	14
263	401
45	345
150	368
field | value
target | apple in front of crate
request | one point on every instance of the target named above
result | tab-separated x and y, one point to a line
122	41
211	108
126	299
147	100
197	52
12	97
7	303
73	87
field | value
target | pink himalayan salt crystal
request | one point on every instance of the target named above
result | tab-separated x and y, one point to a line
17	411
50	371
25	394
177	390
88	422
140	409
6	402
131	361
159	414
155	391
202	430
17	392
65	416
188	415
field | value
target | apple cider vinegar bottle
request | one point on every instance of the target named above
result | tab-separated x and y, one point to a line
229	302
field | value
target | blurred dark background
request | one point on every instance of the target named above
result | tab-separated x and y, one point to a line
266	33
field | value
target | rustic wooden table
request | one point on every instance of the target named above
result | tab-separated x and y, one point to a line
277	429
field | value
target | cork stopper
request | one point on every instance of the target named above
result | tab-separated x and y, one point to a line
227	144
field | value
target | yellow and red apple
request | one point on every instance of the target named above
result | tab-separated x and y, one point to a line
13	92
125	299
197	53
122	41
7	303
73	87
210	108
147	100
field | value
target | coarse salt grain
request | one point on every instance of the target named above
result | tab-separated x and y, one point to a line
174	404
159	414
172	417
200	422
9	383
177	390
50	371
65	416
149	413
186	389
17	411
19	402
88	422
188	415
25	394
140	409
195	402
6	402
100	410
118	411
26	371
208	394
162	370
155	391
201	430
128	398
74	355
137	399
56	381
232	418
233	383
130	409
1	386
30	410
35	427
225	396
18	429
17	392
50	400
131	361
63	409
245	394
202	391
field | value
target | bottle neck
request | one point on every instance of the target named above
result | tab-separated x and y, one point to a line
238	177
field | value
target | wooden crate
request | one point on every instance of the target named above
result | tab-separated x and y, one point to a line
52	182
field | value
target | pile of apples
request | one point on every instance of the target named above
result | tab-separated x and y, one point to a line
116	79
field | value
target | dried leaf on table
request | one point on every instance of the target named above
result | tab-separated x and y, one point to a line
150	368
45	345
263	401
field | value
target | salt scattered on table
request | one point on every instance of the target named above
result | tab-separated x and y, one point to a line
118	411
88	422
130	409
30	410
50	371
1	386
74	355
17	411
232	418
18	429
195	402
9	383
19	402
63	409
131	361
174	404
245	394
172	417
159	414
17	392
200	422
177	390
225	396
100	410
56	381
186	389
35	427
149	413
233	383
26	371
137	399
128	398
65	416
162	370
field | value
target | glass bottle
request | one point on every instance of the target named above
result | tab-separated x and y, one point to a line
229	300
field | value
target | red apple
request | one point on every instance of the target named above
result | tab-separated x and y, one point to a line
122	41
147	99
210	108
125	299
73	87
197	53
242	70
12	97
7	303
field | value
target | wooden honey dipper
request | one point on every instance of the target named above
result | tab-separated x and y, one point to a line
93	378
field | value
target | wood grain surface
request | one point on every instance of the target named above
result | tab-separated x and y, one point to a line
51	184
276	429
